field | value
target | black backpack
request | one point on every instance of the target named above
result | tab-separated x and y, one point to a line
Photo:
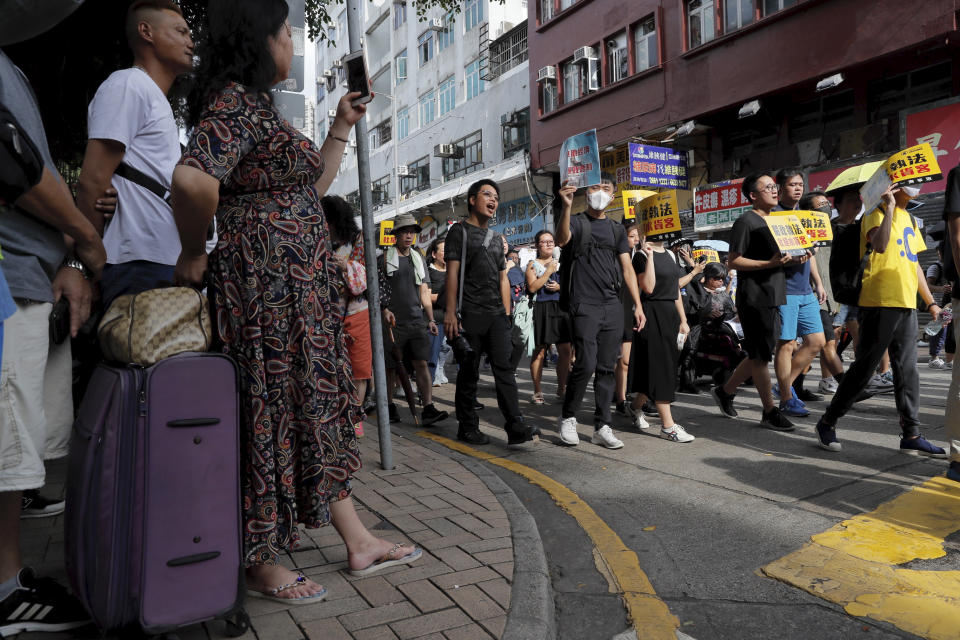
846	264
585	246
21	164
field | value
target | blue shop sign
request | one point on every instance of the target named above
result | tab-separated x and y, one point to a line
517	221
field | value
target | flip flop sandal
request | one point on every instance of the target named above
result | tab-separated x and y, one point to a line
387	560
538	398
272	593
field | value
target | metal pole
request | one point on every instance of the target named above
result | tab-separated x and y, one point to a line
355	29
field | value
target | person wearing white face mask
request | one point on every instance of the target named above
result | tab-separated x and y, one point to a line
596	265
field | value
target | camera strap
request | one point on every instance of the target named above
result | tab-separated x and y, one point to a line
463	269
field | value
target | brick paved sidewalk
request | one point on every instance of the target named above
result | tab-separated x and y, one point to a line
459	590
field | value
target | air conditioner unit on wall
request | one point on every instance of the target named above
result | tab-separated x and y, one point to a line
331	113
584	53
338	64
403	170
327	73
435	24
447	151
353	144
547	73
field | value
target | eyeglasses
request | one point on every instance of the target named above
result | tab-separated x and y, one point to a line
770	188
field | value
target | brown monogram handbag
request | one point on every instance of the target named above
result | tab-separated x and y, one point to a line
147	327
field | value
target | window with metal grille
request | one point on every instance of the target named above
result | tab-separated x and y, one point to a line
382	193
574	77
419	178
380	135
887	96
516	132
548	96
471	160
618	58
509	50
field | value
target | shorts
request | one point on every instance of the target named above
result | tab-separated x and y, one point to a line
356	329
827	321
845	313
36	398
800	316
761	327
412	340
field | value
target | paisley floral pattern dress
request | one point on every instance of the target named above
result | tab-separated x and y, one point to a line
279	315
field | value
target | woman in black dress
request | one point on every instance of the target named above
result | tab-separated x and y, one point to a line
550	323
623	364
655	348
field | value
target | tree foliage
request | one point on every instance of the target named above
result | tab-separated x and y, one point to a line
66	64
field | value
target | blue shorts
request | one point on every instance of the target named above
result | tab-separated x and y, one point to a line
845	313
800	317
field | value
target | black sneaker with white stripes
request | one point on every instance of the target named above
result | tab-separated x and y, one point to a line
34	505
40	604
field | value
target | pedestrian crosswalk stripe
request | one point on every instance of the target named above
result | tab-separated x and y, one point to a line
855	563
650	616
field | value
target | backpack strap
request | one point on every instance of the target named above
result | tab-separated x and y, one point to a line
463	269
140	178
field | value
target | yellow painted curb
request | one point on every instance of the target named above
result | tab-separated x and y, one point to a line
649	615
854	563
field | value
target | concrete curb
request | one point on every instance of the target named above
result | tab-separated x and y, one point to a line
532	613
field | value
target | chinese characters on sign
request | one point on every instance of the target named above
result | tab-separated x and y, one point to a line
387	239
658	167
631	198
789	233
716	206
660	218
580	160
915	165
815	223
517	221
706	255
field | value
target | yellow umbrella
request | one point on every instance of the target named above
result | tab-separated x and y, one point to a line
854	176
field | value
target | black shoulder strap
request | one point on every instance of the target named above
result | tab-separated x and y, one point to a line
463	269
140	178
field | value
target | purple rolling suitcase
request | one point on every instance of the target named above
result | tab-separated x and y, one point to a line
153	496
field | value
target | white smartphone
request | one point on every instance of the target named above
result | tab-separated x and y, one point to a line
357	79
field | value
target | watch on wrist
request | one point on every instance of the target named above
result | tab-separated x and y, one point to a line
73	263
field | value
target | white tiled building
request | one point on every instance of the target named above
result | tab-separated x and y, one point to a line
452	106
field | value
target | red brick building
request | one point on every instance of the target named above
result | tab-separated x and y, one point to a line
642	68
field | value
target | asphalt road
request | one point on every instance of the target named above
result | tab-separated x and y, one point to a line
706	516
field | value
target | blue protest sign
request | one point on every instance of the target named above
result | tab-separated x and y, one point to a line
580	160
658	167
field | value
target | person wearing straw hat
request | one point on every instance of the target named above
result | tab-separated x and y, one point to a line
407	314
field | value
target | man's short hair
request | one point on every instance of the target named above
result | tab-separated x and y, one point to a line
806	202
606	176
750	183
784	175
135	15
479	184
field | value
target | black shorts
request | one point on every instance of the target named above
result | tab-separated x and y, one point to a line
761	329
412	340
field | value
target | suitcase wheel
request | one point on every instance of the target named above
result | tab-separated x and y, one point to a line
238	625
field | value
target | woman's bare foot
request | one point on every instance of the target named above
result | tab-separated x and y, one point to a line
374	550
263	578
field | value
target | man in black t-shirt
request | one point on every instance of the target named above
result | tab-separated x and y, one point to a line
951	252
407	315
599	265
483	322
761	290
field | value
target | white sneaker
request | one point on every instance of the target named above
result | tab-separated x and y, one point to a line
605	438
568	431
828	385
636	417
937	363
677	434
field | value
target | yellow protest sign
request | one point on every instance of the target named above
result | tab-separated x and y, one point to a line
815	223
660	217
631	198
789	233
915	165
386	238
706	255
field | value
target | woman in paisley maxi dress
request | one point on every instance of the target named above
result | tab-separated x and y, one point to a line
276	292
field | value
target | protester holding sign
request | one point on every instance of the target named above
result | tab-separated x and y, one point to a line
759	261
888	318
596	265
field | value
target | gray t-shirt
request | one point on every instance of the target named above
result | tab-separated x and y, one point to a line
32	249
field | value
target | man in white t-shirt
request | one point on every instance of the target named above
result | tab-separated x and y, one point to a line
130	121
